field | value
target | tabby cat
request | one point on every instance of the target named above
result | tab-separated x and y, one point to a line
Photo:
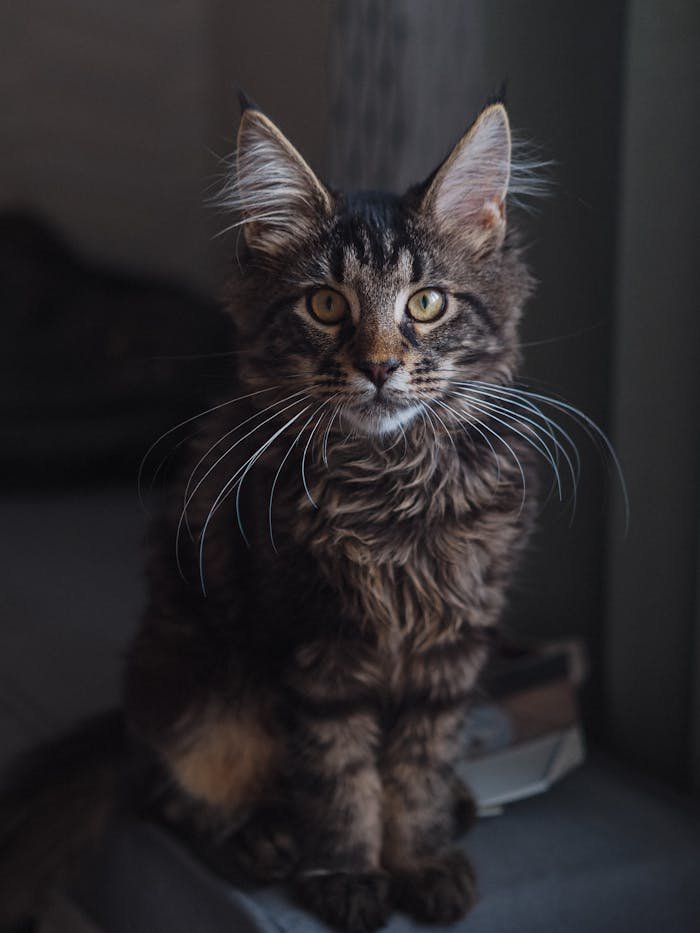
327	574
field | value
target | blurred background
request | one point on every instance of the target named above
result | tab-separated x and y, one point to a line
117	118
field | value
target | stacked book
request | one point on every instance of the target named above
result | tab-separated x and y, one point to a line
523	733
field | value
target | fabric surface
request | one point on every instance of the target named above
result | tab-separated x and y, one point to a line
601	851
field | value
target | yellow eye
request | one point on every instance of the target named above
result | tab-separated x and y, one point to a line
327	306
426	305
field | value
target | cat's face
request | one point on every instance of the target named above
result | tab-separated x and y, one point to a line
371	305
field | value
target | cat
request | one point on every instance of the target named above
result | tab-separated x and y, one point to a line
329	568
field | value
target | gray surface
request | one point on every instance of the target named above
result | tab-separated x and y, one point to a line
71	596
599	852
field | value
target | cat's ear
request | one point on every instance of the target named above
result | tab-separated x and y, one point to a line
467	194
278	195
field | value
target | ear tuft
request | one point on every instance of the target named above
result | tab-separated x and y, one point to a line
467	194
245	101
279	197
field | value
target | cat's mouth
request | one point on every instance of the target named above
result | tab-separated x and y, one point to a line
380	413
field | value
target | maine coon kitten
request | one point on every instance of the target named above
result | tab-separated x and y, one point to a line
345	531
334	557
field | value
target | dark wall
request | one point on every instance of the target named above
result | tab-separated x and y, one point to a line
654	596
564	67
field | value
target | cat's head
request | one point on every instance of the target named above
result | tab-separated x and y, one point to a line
371	303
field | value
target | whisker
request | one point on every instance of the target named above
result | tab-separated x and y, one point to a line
279	470
575	466
493	450
509	426
485	407
225	454
469	421
187	498
251	463
555	427
581	332
228	487
502	392
596	434
439	419
328	431
405	441
395	440
170	431
426	410
169	454
306	448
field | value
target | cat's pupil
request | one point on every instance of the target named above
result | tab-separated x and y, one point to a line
329	303
424	302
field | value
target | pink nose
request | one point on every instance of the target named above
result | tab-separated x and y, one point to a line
378	372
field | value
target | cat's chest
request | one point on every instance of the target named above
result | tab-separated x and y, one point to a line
397	545
378	511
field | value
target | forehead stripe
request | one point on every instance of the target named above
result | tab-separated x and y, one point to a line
337	263
416	267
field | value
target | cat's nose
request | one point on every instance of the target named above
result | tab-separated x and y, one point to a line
378	372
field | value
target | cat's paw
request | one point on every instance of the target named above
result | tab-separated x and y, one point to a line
265	849
441	890
353	903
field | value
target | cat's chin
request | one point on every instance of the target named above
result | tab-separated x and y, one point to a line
379	420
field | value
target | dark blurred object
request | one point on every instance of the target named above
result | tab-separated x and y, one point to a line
95	364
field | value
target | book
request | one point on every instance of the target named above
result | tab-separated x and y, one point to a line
524	732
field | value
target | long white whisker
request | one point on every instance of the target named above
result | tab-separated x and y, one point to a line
251	463
306	448
405	441
170	431
528	405
279	470
427	411
591	429
461	416
509	426
573	466
225	454
228	487
469	421
439	419
169	454
538	445
187	498
328	431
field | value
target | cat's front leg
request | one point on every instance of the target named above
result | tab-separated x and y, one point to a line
430	879
338	798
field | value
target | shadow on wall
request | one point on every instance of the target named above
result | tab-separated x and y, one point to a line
94	363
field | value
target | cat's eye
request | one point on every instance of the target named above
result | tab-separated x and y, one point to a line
328	306
426	305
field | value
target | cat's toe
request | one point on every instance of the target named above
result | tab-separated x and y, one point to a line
265	848
439	891
353	903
